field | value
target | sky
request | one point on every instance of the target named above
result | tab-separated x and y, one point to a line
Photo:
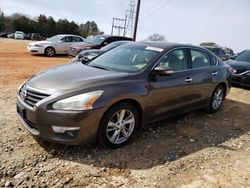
226	22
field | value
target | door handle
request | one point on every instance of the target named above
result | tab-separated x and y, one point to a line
188	79
214	73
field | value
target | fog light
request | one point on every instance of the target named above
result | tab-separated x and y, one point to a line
59	129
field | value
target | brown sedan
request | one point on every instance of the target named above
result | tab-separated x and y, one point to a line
119	92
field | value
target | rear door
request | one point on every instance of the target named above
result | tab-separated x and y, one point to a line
64	44
205	74
174	92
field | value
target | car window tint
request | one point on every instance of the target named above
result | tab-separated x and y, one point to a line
199	59
66	39
76	39
175	60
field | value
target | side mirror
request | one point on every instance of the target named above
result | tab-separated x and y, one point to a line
163	71
105	43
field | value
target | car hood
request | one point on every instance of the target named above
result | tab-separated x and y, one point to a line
72	77
92	52
41	43
239	65
83	45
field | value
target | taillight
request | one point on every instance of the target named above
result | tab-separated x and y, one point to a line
232	70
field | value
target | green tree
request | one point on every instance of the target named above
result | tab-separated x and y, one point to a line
89	28
2	20
156	37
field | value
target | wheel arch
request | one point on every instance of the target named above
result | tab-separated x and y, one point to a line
224	85
133	102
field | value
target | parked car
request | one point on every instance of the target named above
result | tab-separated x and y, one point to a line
95	42
58	44
87	55
36	36
11	35
27	36
241	64
4	35
117	93
221	53
19	35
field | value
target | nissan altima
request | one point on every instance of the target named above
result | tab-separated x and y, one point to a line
112	97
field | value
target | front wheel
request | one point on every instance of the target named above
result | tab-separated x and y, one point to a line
118	125
49	51
217	99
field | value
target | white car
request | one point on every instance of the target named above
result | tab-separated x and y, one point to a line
19	35
58	44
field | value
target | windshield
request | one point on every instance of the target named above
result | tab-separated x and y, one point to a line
95	40
244	56
126	58
53	39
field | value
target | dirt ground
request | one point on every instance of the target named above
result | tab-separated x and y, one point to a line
192	150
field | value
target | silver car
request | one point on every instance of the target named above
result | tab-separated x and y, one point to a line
58	44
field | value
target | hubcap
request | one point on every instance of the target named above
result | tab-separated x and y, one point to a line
120	126
50	52
217	99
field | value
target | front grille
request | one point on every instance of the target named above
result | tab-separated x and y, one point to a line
31	97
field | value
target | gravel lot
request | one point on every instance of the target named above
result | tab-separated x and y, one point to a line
192	150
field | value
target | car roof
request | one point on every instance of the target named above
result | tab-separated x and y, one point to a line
167	45
108	36
68	35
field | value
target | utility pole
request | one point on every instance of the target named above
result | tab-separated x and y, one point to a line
130	13
136	18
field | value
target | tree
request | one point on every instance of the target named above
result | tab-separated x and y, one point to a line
156	37
1	21
89	28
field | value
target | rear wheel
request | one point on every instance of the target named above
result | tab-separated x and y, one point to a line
49	51
216	99
118	125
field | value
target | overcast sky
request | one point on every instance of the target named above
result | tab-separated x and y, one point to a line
226	22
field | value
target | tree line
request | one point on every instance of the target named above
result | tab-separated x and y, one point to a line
46	26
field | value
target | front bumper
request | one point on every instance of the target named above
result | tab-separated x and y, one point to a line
35	49
39	121
242	79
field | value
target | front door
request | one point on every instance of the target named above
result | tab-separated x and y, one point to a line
174	92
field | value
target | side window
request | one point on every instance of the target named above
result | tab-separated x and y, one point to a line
175	60
76	39
199	59
66	39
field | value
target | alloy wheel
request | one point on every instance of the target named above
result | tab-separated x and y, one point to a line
217	98
120	126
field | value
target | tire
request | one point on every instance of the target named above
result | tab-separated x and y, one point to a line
113	133
216	99
49	51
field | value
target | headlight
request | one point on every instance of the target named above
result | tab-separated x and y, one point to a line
90	56
79	102
38	45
